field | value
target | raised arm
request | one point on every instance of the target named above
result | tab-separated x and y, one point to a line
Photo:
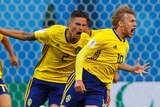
7	45
17	34
139	69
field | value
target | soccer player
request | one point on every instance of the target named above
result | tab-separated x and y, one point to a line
61	45
92	33
5	99
98	61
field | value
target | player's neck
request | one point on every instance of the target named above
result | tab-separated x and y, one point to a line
119	32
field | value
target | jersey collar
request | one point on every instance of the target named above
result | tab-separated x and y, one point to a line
66	34
118	35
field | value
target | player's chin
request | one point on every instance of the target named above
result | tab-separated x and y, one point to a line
130	35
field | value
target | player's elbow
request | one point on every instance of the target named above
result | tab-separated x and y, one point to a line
116	77
115	80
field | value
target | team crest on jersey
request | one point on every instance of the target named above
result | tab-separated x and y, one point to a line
29	102
92	43
77	49
68	98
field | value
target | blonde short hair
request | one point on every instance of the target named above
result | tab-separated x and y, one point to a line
119	13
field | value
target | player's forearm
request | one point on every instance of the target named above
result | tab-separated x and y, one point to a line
126	67
8	46
79	63
79	67
17	34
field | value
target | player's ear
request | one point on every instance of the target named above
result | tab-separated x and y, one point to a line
120	23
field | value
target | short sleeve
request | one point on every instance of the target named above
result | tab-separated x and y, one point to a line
43	36
1	37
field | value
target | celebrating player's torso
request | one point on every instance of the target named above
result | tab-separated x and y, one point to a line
112	51
58	56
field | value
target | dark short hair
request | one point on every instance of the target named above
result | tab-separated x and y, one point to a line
78	13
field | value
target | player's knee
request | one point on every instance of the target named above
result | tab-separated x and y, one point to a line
62	106
5	105
91	106
54	105
5	100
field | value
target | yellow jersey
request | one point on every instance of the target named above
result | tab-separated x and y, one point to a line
94	32
1	69
102	56
58	56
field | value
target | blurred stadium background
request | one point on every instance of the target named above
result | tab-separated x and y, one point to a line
31	15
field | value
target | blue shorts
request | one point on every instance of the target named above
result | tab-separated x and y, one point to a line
3	87
38	92
95	95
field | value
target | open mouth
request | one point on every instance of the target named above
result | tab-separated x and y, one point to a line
79	33
132	30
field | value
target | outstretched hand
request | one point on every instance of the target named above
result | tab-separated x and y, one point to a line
141	69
